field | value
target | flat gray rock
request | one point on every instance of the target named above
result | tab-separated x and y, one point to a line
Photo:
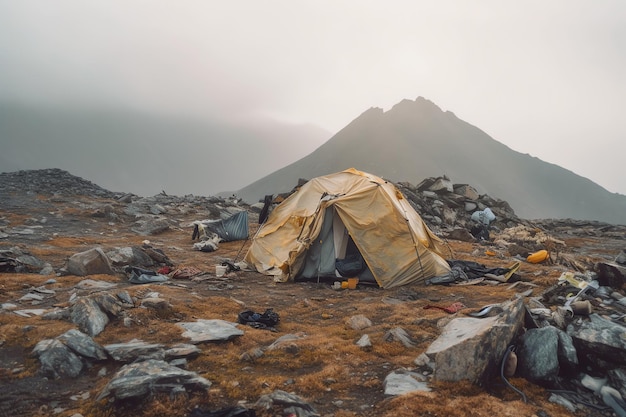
402	382
135	349
210	330
182	350
30	312
83	345
288	338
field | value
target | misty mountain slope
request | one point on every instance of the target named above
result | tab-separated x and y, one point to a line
146	153
416	140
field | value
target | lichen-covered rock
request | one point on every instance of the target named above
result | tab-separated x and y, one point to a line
141	379
599	338
57	360
87	314
83	345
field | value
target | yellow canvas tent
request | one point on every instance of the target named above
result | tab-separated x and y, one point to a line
332	216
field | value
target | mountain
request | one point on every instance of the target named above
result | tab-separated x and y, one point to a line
147	153
416	140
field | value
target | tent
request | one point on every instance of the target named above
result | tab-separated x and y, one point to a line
345	218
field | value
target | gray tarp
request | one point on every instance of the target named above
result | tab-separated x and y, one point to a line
233	228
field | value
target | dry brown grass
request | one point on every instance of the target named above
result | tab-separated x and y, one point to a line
323	367
467	400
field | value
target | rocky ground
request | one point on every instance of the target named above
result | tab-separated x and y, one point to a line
48	216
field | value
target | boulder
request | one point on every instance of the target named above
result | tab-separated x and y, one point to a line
57	360
472	348
543	352
91	262
466	191
88	316
130	256
599	340
66	355
611	275
441	184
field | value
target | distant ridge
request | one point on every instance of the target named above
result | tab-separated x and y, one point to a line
416	140
145	153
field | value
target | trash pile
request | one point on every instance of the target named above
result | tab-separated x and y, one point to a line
569	339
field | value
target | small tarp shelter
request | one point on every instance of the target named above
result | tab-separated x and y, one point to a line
332	215
230	229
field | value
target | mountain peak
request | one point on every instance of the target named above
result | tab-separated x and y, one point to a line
372	112
420	104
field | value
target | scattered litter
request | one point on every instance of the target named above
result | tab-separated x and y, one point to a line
143	276
486	311
268	320
209	245
538	257
186	272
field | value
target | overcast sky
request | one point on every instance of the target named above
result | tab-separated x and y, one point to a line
545	77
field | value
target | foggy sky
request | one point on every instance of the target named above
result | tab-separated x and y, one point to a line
543	77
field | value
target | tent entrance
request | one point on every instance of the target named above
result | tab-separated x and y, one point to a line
332	244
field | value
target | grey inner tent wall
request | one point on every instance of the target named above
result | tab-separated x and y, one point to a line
332	243
320	258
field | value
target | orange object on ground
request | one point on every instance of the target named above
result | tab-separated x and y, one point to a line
352	283
537	257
